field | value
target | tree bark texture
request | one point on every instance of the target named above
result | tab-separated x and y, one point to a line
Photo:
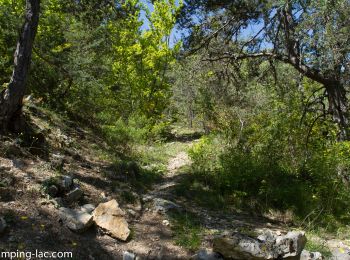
11	97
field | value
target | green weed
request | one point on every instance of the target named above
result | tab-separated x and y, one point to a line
317	245
187	230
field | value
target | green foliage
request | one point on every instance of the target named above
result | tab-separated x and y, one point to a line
187	230
53	181
141	59
160	131
262	180
117	134
314	244
269	152
194	188
97	64
128	197
193	97
9	24
328	172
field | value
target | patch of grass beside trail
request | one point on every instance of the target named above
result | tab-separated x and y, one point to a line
317	244
187	230
203	195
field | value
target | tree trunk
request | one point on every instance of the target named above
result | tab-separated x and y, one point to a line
339	109
11	98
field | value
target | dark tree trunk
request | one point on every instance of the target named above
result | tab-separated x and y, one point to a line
339	109
11	98
338	103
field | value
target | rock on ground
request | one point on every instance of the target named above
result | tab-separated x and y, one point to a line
306	255
110	217
163	206
75	220
338	249
291	244
203	254
128	256
67	182
165	222
88	208
74	195
239	246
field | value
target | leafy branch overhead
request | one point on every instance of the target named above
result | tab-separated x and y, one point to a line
312	37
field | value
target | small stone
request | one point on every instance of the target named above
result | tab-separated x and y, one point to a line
203	254
89	208
67	182
131	212
104	197
75	220
128	256
291	244
306	255
18	163
74	195
165	222
163	206
2	225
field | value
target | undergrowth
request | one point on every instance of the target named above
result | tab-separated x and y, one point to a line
187	230
227	177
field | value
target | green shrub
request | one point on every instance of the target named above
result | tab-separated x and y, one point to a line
254	179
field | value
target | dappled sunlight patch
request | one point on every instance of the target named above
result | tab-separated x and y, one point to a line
286	217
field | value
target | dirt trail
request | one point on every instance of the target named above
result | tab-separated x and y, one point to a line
172	176
153	237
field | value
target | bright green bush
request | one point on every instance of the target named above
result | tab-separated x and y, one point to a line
252	177
278	162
